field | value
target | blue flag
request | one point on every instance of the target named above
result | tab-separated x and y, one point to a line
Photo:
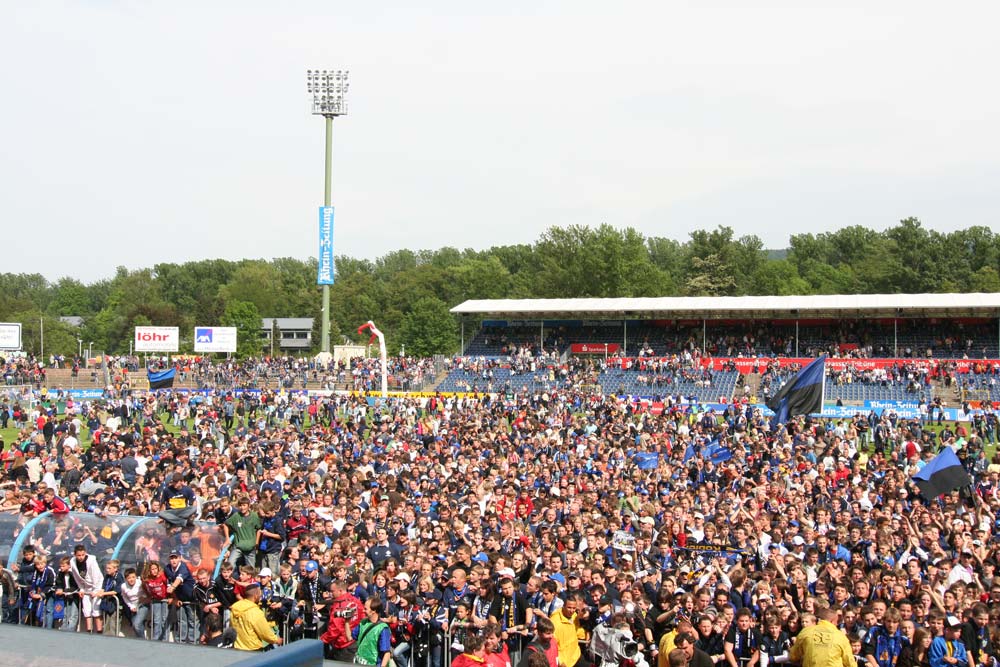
711	448
161	380
721	454
647	460
942	474
802	395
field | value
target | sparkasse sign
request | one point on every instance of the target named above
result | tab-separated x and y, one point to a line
215	339
156	339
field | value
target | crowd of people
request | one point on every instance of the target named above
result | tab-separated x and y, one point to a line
506	529
863	339
22	371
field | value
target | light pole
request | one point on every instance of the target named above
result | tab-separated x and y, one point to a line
329	99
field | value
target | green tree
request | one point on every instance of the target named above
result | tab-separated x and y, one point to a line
718	253
709	276
54	337
778	277
70	297
428	329
246	318
259	283
484	278
986	280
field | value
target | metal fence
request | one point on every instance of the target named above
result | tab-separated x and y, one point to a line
430	648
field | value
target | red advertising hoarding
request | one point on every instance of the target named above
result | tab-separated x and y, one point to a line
594	348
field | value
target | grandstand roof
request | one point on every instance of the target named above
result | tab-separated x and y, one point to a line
818	306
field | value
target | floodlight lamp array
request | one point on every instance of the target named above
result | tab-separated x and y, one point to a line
329	91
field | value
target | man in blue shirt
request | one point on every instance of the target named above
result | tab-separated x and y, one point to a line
181	586
885	642
948	649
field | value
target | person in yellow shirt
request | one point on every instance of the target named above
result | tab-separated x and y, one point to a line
667	642
252	629
823	644
569	633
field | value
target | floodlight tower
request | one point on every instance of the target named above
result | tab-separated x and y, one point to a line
329	99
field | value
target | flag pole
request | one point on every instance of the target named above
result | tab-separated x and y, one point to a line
822	394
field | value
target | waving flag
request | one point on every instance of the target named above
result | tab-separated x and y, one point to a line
721	455
161	380
802	395
716	453
943	474
647	460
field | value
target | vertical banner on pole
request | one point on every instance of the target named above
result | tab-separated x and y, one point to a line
325	270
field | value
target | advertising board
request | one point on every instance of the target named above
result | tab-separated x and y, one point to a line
10	335
156	339
326	268
215	339
594	348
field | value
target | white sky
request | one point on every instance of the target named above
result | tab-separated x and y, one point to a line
144	132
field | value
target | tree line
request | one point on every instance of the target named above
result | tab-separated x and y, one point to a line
408	293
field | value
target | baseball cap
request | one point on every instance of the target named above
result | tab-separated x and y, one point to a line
952	622
265	572
311	566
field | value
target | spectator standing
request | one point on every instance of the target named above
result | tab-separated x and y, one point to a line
742	647
372	636
948	649
181	589
154	587
345	616
66	597
823	644
243	525
270	536
131	592
569	632
205	600
884	643
976	637
253	632
90	579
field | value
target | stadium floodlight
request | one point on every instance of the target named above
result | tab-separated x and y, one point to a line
328	88
329	91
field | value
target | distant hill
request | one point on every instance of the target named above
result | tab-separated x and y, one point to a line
776	254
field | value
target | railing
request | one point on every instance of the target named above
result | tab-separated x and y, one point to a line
424	643
9	609
177	630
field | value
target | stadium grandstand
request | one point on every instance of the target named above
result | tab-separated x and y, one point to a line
885	347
